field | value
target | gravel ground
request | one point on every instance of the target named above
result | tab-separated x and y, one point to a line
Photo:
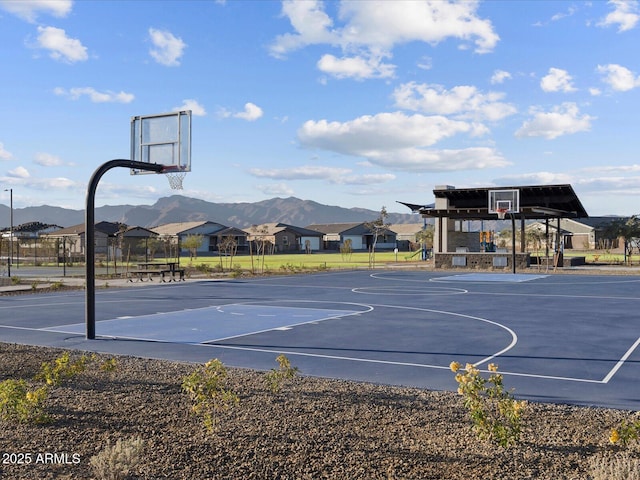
312	429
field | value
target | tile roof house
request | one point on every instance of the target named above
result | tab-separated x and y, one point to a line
285	238
335	234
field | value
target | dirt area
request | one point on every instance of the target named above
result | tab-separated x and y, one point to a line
313	428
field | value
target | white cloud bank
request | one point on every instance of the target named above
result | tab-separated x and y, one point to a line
29	10
371	29
94	95
399	141
563	119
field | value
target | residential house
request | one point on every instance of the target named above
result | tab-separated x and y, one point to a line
406	234
179	232
281	238
73	238
238	237
334	236
583	234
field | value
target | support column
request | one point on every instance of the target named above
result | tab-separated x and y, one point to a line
90	235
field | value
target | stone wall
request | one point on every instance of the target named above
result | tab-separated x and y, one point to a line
482	261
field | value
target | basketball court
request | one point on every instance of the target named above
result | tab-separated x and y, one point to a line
557	338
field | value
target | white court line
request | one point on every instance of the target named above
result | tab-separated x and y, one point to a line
624	358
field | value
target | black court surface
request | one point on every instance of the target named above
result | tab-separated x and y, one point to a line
556	338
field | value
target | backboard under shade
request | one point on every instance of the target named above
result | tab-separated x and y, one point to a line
164	139
507	199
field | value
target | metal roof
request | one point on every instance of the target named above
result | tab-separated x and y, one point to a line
536	202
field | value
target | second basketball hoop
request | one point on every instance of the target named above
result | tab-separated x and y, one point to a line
504	201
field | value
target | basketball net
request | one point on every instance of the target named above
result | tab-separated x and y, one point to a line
501	213
175	179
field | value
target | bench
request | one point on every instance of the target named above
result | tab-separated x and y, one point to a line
141	274
165	274
172	274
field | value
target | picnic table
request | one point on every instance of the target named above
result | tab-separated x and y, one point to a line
168	271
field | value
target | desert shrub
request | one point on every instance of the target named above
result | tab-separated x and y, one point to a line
61	369
116	462
22	404
277	377
206	387
620	466
496	415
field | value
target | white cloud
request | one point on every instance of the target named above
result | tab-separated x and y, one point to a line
168	49
95	96
4	154
384	131
311	24
535	178
564	119
398	141
373	28
251	112
557	80
382	24
307	172
275	189
433	160
333	175
19	172
29	10
193	105
618	77
625	15
48	160
60	46
357	67
499	76
463	101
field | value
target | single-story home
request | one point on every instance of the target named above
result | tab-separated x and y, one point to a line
179	232
334	235
280	237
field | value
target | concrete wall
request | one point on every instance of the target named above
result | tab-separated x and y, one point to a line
481	261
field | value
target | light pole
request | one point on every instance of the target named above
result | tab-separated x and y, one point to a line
10	190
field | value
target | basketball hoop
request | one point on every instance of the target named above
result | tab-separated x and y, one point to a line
175	178
501	213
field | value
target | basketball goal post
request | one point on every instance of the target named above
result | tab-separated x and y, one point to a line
159	144
502	203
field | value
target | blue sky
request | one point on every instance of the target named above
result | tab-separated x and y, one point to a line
351	103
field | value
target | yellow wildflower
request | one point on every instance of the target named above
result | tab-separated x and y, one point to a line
493	367
454	366
615	436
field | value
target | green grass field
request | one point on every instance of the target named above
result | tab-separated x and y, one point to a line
299	261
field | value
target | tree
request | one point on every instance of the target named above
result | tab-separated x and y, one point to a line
377	227
628	229
193	243
346	250
228	247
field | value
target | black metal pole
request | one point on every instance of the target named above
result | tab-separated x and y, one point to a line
513	242
90	236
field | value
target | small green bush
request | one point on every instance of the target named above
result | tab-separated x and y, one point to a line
496	415
206	387
19	403
61	369
277	377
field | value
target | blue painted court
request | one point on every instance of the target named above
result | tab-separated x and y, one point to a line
557	337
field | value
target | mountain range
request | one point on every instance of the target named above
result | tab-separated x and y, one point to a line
178	208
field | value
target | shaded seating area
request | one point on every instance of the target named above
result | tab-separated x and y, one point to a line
455	248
